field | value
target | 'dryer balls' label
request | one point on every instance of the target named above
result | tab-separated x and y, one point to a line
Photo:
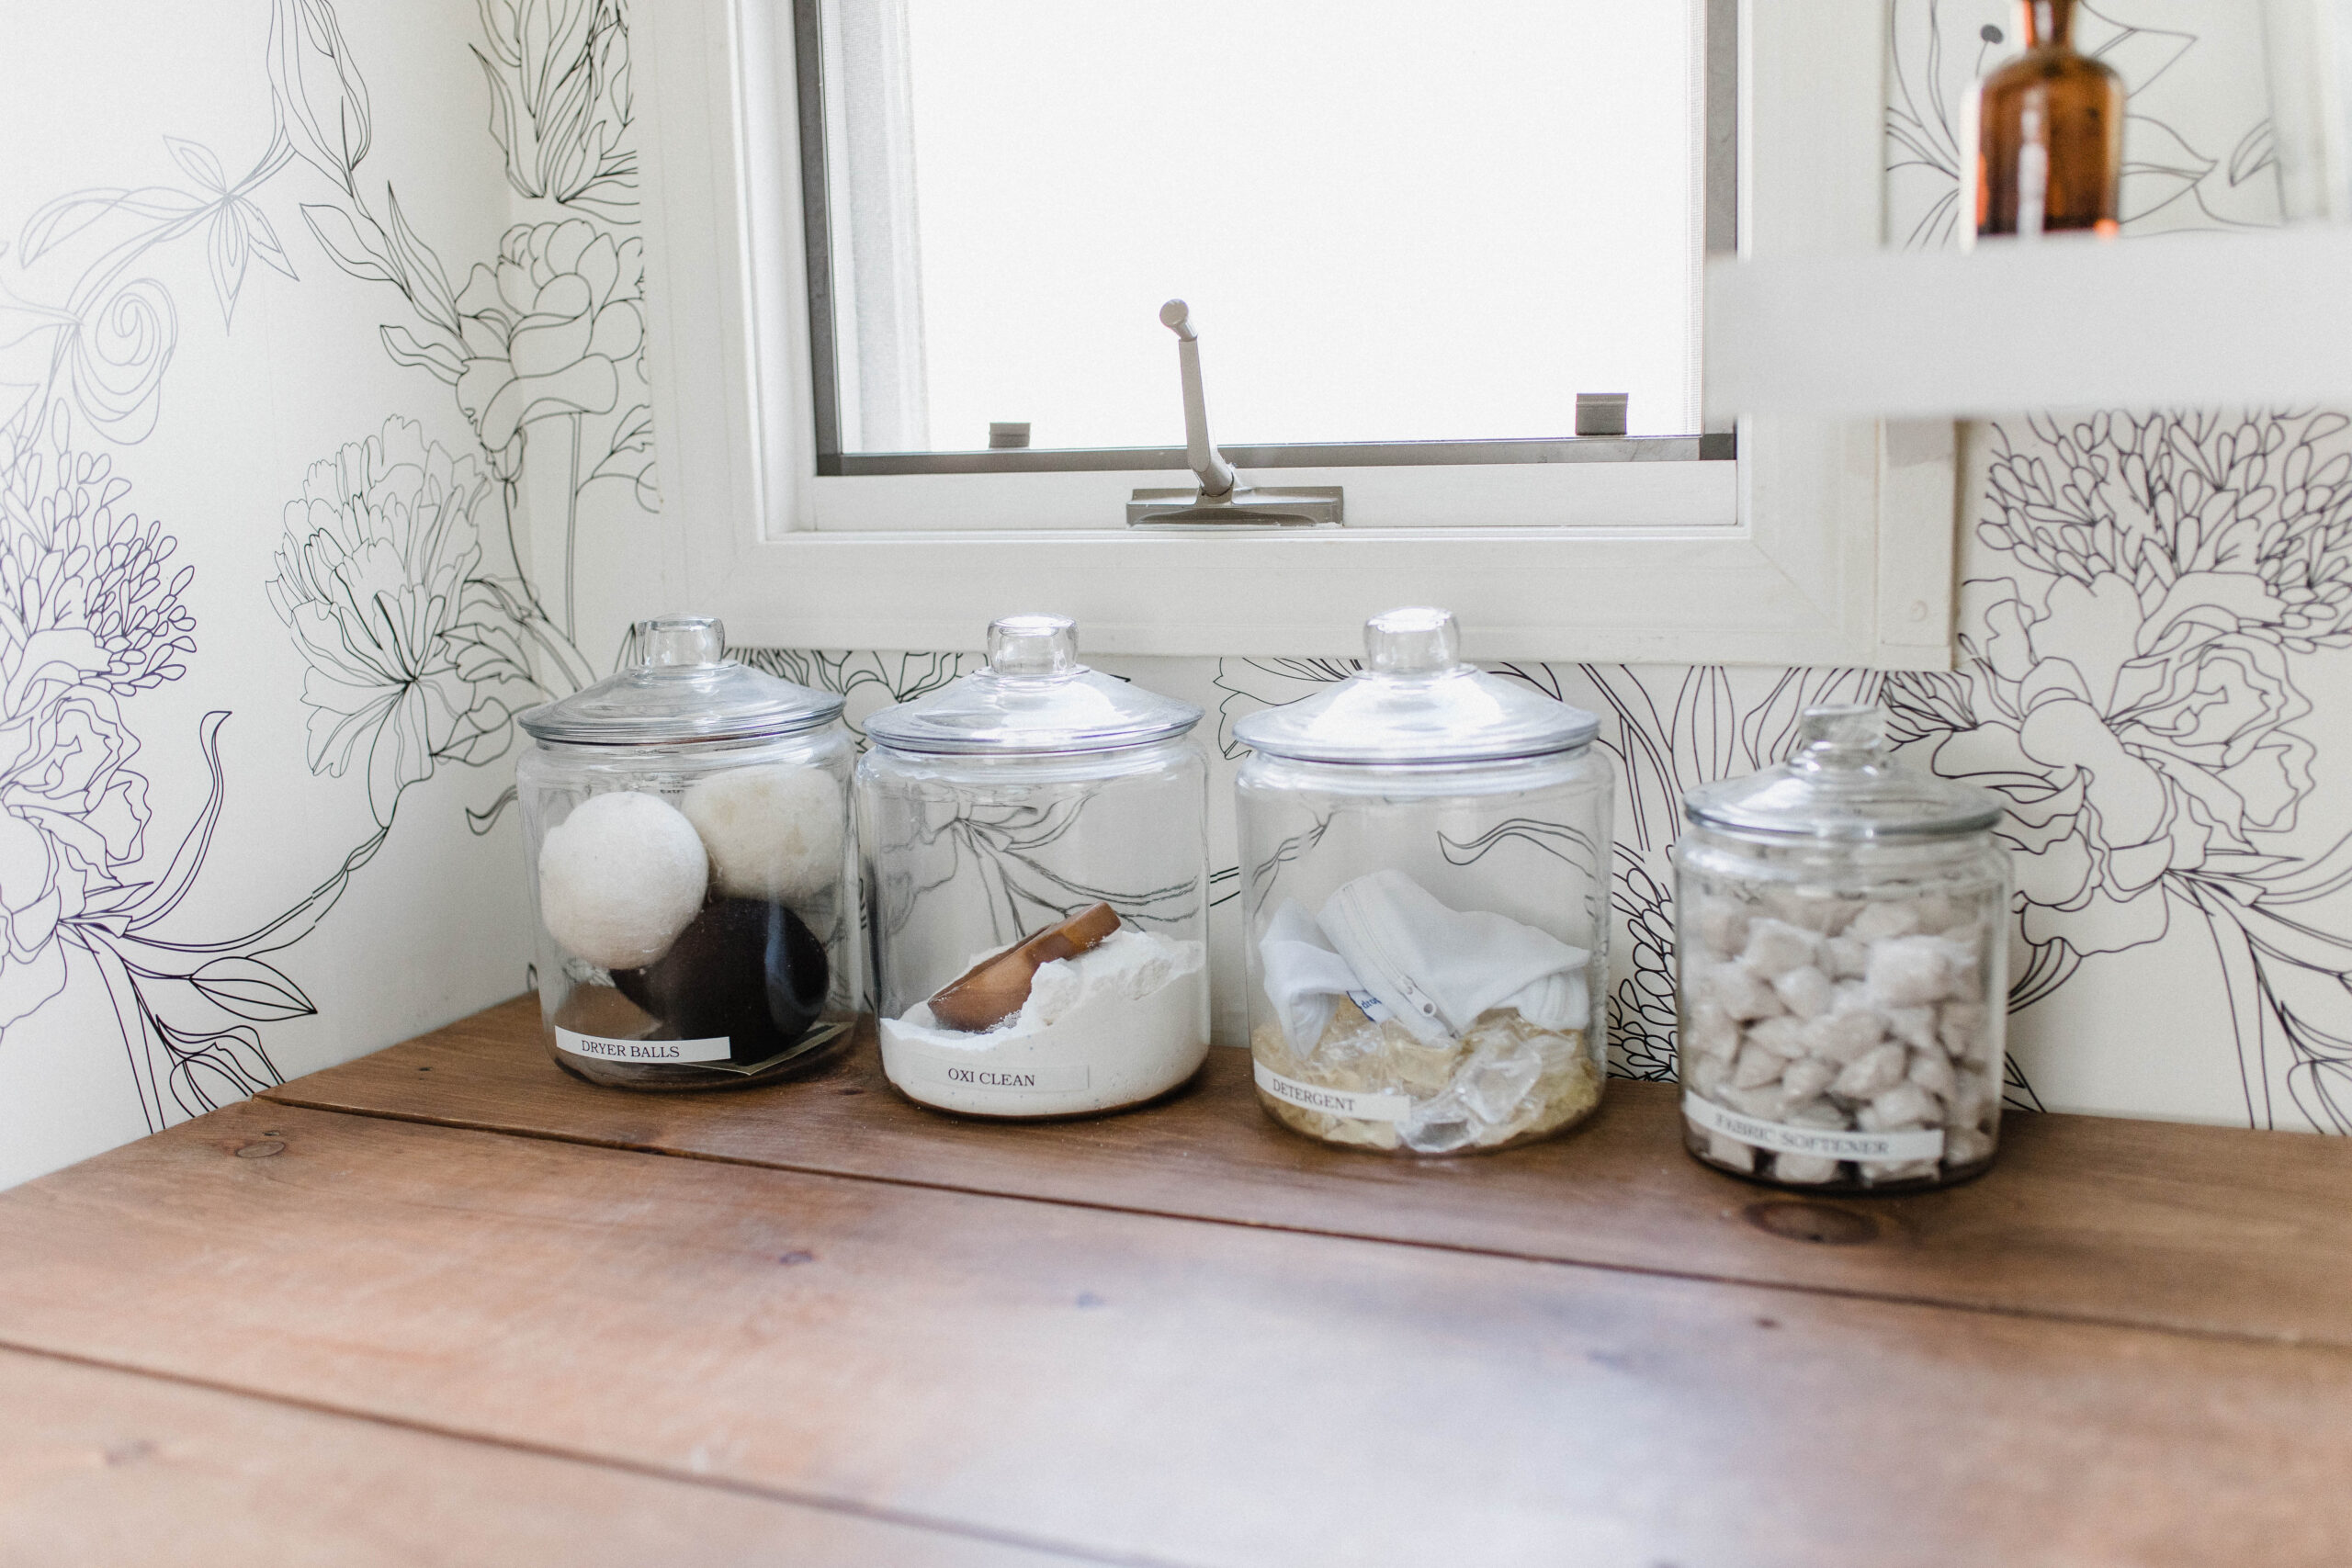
1912	1143
1332	1101
1007	1077
603	1048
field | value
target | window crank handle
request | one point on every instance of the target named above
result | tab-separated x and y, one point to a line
1224	498
1216	474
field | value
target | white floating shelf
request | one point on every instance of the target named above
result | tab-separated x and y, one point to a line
2171	319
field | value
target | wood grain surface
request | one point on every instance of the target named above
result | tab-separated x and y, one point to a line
1155	1388
2216	1230
113	1469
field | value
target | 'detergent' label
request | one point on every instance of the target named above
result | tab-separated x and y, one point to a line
1332	1101
1781	1138
967	1073
717	1048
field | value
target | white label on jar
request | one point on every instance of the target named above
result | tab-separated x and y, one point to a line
961	1072
1828	1143
716	1048
1332	1101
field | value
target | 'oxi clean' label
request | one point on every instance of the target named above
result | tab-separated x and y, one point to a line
961	1072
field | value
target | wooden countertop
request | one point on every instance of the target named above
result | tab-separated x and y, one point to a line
445	1304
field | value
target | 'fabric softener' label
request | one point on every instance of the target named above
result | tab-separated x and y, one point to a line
1780	1138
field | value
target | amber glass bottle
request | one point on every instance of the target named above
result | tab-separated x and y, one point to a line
2049	134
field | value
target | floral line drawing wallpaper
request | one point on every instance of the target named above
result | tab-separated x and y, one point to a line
418	648
2189	86
2131	693
94	616
2153	599
399	578
2150	596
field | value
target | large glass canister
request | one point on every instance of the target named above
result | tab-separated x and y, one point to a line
1842	938
692	872
1425	849
1036	857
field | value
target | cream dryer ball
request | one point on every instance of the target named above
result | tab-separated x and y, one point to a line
620	877
773	832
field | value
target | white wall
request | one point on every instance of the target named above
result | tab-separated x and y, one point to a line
236	479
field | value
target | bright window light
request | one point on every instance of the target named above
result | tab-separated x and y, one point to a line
1394	221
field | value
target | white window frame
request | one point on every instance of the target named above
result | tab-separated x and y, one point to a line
1823	543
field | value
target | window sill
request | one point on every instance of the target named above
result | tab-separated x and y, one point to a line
1723	592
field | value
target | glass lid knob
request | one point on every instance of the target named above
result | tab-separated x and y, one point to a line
1032	644
681	639
1840	735
1414	641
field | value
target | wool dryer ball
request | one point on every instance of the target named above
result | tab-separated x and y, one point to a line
773	832
620	877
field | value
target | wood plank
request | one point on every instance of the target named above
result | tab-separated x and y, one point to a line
106	1467
1162	1388
2218	1229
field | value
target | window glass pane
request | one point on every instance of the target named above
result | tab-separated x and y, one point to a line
1394	221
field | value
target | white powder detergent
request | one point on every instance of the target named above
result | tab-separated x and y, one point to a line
1117	1024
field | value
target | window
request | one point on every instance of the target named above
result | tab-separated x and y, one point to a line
1398	227
839	313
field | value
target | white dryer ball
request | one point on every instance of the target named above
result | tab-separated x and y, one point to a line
620	877
773	832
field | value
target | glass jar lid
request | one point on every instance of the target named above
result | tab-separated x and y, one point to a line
1842	782
682	687
1034	697
1415	701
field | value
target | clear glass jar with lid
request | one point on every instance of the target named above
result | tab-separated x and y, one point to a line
1036	856
1425	849
687	824
1841	942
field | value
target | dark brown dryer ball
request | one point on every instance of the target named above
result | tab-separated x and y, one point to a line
744	968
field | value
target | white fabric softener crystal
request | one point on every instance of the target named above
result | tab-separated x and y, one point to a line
1903	1048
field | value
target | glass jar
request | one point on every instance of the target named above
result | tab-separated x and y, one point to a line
687	824
1426	850
1841	943
1036	847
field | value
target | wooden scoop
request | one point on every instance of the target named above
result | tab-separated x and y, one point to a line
993	990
